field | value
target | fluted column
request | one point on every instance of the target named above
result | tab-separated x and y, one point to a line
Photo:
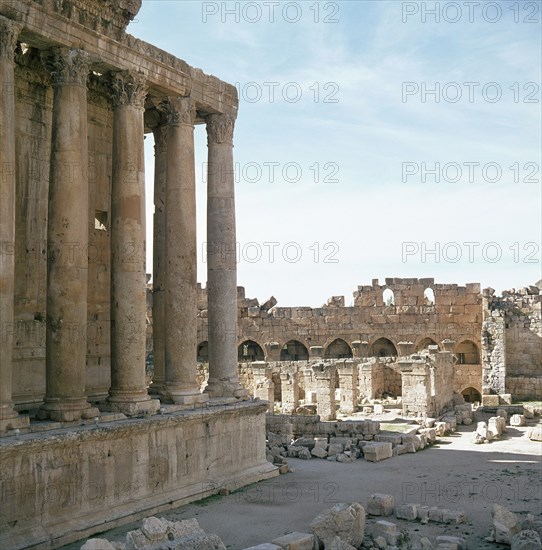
128	393
222	260
67	239
9	32
181	255
159	259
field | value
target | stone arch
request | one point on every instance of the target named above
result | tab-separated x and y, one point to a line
471	395
338	349
294	350
422	344
249	351
203	352
429	297
388	297
467	353
383	347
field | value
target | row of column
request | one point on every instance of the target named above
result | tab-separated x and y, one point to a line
175	245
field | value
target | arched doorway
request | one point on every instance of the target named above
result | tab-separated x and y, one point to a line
294	350
338	349
250	351
425	343
467	353
471	395
383	348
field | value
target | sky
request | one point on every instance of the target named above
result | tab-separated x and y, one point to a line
374	139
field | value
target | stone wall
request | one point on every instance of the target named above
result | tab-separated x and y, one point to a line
117	473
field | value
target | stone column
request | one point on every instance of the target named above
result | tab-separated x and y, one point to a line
181	255
159	260
67	240
348	373
128	393
9	32
326	407
222	260
289	385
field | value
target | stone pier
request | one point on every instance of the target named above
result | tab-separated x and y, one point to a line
348	372
326	406
264	387
289	384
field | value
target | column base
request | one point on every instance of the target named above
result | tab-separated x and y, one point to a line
11	420
66	410
157	388
226	387
131	406
185	397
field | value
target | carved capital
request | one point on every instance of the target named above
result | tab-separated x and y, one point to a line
129	88
67	66
9	32
179	110
160	139
220	128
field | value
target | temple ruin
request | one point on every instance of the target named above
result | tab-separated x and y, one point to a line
78	96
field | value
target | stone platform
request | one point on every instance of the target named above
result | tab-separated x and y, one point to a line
70	483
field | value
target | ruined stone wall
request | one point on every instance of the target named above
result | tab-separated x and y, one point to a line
512	343
455	314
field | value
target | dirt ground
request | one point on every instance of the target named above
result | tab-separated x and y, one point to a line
453	474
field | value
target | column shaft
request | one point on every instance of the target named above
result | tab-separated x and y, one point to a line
67	240
128	393
159	259
222	260
8	40
181	255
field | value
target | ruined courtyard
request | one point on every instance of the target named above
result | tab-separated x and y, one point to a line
410	418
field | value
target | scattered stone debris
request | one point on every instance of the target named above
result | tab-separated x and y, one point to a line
526	540
345	521
505	524
161	534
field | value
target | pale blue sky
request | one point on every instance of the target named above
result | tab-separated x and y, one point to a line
365	61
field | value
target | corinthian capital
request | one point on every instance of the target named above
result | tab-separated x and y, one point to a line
67	65
129	88
9	32
179	110
220	128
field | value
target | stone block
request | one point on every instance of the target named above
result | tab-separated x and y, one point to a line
343	457
344	441
295	541
394	439
335	449
490	400
381	505
374	452
535	434
406	511
517	420
387	530
155	529
435	514
448	542
525	540
505	524
453	517
304	454
264	546
319	452
346	521
502	413
338	544
423	513
97	544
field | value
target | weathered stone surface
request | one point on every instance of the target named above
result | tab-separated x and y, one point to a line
380	505
319	452
526	540
374	452
406	511
295	541
339	544
387	530
517	420
97	544
448	542
346	521
505	524
535	434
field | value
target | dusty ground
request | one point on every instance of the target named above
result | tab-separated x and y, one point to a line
453	474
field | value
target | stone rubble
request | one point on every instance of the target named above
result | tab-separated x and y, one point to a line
161	534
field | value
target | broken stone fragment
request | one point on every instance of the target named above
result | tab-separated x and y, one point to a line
346	521
295	541
97	544
526	540
387	530
447	542
380	505
517	420
505	524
